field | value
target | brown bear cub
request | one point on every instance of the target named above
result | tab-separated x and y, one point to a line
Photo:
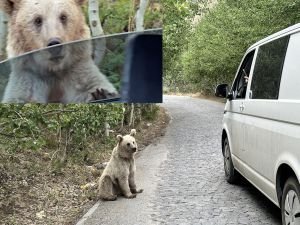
61	73
118	178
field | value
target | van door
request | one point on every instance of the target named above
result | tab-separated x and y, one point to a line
235	114
260	111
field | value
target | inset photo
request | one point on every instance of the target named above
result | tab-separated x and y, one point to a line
78	51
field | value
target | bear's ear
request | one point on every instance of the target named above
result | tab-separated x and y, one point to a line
120	138
133	132
80	2
9	6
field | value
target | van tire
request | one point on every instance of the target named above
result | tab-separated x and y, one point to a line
288	213
231	174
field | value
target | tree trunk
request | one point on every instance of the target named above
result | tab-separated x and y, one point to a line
3	34
107	129
123	117
141	5
97	30
131	119
140	15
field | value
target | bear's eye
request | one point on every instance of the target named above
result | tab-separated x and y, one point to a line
128	144
133	142
63	18
38	21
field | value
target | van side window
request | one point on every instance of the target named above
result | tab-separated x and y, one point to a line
268	69
240	84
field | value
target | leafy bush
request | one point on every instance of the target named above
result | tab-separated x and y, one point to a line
68	128
29	126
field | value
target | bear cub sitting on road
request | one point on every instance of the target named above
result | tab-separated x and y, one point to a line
119	174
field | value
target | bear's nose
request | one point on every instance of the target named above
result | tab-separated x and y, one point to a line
55	51
134	149
54	41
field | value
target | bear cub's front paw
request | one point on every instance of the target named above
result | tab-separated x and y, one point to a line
101	94
140	191
136	191
130	196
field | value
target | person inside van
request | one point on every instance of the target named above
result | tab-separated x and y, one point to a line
242	87
244	77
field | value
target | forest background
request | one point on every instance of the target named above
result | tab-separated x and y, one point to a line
205	40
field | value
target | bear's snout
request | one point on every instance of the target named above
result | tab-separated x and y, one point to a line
134	149
55	51
54	41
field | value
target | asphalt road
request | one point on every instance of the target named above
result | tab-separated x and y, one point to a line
183	179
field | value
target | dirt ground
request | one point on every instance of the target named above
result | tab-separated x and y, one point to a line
31	193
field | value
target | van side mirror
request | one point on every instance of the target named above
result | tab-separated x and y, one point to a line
221	91
230	96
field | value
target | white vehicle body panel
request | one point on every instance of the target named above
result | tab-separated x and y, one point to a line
265	134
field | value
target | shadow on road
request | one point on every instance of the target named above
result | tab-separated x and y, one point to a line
267	206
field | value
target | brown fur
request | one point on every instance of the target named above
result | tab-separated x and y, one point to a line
119	174
37	77
23	35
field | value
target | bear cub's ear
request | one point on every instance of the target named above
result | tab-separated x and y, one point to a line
120	138
9	6
133	132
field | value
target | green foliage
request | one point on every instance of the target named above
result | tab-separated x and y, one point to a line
154	15
216	45
32	126
177	27
115	15
150	111
69	132
112	64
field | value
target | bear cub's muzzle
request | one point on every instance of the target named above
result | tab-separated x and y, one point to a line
56	52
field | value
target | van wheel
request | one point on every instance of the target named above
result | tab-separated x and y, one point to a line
230	173
290	204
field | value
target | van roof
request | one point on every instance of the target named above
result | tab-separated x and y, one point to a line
284	32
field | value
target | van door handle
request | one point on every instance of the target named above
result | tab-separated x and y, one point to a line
242	107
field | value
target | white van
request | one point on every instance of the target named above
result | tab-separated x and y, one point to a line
261	124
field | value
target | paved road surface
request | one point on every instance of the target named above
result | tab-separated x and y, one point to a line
183	178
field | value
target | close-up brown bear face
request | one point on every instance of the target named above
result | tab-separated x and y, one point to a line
43	23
